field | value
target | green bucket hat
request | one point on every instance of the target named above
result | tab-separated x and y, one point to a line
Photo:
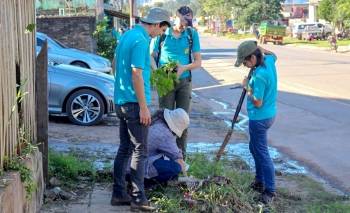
157	15
244	50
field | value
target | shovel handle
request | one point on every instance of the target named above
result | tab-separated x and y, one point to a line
238	109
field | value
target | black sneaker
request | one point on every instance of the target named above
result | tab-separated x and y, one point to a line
267	197
258	186
121	201
141	206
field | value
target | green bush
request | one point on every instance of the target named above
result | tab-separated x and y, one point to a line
106	44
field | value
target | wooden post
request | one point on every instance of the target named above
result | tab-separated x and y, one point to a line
41	101
99	10
132	18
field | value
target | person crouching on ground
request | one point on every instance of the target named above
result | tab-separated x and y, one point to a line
261	106
166	126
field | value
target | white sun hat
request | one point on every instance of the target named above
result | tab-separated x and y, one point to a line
177	120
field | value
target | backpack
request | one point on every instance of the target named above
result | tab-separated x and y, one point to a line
190	42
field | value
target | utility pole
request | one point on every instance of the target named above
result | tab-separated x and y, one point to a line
132	18
99	10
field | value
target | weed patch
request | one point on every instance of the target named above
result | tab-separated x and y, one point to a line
68	166
297	193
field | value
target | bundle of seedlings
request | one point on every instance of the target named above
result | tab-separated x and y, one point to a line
164	77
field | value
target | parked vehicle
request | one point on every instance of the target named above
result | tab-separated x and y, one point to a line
297	29
83	94
271	33
328	30
313	31
60	53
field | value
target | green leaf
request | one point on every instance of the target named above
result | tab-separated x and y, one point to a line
29	29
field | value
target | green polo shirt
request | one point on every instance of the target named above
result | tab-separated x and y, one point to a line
132	52
176	49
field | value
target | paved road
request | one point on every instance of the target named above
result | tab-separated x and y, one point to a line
313	121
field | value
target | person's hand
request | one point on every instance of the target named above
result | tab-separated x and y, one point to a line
180	70
145	116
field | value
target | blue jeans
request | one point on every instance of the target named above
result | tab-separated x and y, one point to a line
167	170
133	142
264	169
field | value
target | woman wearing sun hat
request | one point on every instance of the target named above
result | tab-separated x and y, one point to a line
166	126
261	106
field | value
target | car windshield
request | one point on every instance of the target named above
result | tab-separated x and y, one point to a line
60	44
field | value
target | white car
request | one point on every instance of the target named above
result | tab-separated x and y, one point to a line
60	53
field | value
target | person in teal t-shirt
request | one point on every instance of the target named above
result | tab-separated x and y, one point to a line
261	106
131	65
176	47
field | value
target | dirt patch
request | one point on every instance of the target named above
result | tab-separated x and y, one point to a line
204	127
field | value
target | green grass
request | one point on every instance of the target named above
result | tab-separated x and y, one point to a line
315	43
230	35
240	36
68	166
236	196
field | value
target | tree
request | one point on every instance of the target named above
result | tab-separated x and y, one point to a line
218	8
247	12
327	10
143	10
344	12
158	4
173	5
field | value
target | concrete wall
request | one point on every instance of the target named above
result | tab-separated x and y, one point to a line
12	192
73	31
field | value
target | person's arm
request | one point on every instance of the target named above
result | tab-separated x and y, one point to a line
256	102
138	84
154	46
267	52
197	62
153	62
182	164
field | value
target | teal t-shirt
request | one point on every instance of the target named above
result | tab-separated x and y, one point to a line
264	86
177	49
132	52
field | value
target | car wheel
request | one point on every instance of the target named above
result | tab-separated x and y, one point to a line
80	64
85	107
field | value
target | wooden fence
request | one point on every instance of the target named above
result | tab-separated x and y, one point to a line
17	65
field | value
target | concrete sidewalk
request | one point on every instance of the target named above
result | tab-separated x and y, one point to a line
95	201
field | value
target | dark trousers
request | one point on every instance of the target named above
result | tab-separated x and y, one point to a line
167	170
133	142
179	97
